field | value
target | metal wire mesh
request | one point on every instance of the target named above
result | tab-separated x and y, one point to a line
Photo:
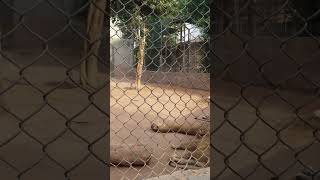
265	89
55	86
55	78
165	45
53	126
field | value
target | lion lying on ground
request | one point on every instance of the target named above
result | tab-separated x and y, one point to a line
129	155
187	126
196	153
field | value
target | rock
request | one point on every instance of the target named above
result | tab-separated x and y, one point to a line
200	174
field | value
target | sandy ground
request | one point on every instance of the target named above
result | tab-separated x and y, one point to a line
131	115
45	124
269	126
133	112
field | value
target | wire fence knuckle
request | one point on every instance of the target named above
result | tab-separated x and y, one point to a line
254	41
160	84
134	76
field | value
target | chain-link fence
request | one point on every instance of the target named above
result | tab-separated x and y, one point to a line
57	96
57	92
54	103
265	89
159	87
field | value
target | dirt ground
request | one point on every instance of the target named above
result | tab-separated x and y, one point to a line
131	115
45	123
268	124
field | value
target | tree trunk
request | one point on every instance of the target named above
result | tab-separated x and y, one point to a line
180	51
142	44
89	67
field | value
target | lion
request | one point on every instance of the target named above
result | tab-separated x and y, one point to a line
187	126
196	154
129	155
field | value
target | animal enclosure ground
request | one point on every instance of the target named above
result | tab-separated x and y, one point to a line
260	132
132	113
127	125
64	104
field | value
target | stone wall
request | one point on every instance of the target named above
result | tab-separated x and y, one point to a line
198	174
199	81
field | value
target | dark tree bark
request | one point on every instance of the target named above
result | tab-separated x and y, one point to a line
89	67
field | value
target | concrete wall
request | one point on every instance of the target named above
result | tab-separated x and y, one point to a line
294	72
186	80
199	81
121	50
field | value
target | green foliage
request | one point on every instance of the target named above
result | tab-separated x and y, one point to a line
161	18
132	13
196	12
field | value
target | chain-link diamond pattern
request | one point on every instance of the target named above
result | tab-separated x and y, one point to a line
265	89
52	125
55	87
165	44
